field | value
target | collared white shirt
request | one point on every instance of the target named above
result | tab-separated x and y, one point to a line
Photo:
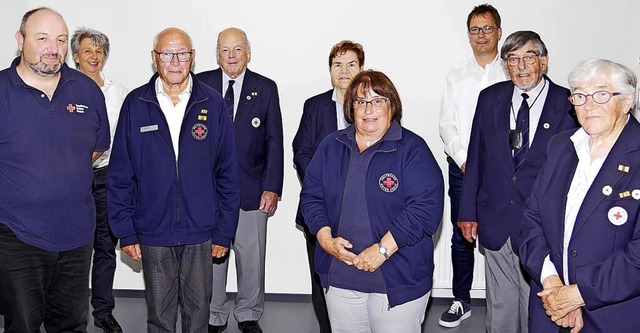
585	173
341	122
459	99
114	95
173	113
536	99
237	89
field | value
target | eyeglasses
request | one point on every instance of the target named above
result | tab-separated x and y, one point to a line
168	56
376	103
528	59
487	29
600	97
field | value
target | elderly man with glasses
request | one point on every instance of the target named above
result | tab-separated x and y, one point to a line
172	187
513	122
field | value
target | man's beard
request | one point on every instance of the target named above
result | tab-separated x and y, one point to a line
43	69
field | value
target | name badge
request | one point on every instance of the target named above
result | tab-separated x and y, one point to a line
149	128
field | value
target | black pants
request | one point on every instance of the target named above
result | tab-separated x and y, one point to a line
39	286
317	292
104	256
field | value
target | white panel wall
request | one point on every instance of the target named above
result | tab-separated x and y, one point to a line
413	42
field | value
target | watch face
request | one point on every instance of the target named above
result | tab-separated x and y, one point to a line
383	250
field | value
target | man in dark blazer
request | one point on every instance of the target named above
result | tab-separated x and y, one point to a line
253	103
498	177
323	114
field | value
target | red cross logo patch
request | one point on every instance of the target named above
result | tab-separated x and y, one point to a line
199	131
617	216
70	108
388	182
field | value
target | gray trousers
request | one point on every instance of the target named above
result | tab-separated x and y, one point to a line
353	311
507	291
177	275
249	249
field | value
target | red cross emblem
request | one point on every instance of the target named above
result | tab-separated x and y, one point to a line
617	215
388	182
199	131
70	108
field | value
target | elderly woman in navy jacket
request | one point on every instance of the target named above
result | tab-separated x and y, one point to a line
373	195
580	238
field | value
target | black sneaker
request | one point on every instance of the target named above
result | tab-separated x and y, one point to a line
458	312
108	324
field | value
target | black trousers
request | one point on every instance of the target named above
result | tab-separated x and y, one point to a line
39	286
104	255
317	292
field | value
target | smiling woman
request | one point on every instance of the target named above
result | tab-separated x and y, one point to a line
374	244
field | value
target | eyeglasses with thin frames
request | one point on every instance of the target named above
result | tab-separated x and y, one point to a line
376	103
487	29
528	59
168	56
599	97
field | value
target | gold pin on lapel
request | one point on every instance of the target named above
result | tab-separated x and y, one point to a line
623	168
201	117
625	194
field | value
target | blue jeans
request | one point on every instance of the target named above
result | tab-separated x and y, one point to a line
177	276
39	286
462	252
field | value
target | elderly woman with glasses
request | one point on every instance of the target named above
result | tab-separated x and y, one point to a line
373	196
580	237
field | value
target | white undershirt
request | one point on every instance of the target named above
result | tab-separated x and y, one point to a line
341	122
586	172
173	113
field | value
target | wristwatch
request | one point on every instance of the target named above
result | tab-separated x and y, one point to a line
383	250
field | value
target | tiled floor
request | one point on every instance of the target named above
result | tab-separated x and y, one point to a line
287	317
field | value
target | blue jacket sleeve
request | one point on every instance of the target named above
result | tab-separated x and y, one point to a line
227	184
120	182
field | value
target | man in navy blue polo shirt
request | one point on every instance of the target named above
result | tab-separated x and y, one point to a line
53	124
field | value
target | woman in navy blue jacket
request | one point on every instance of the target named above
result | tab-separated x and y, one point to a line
373	196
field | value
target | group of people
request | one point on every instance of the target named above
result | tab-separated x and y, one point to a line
158	169
542	177
189	166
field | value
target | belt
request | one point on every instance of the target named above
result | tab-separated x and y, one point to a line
100	171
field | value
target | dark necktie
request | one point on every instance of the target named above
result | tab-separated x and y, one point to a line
522	124
228	98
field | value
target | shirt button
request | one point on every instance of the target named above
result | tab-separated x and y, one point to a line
514	178
513	202
574	253
42	96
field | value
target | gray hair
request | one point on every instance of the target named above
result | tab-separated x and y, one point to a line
621	77
518	39
244	37
96	37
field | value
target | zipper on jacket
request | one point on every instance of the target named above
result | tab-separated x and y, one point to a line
177	199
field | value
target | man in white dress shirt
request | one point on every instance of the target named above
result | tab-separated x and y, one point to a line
463	84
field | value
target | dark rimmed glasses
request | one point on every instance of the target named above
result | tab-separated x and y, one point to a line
168	56
487	29
376	103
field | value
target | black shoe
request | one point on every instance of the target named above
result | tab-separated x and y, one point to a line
249	326
108	324
216	328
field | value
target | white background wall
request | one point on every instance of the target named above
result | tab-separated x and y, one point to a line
413	42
